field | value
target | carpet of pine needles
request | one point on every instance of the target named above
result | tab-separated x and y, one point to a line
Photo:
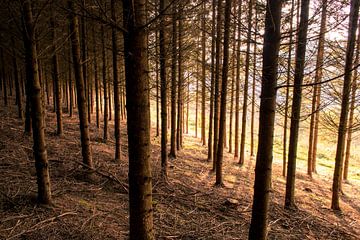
187	207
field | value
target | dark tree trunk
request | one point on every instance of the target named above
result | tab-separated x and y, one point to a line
203	73
39	147
138	110
246	85
3	76
80	88
264	157
17	84
71	105
222	127
172	153
180	100
163	87
296	103
116	84
157	83
339	159
56	80
96	79
104	70
212	90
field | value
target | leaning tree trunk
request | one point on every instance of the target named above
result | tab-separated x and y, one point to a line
264	156
339	159
296	103
39	147
138	121
225	69
80	88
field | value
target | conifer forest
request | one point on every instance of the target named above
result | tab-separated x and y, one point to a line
179	119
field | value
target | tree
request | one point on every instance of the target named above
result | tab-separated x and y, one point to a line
138	120
203	72
39	147
339	159
296	103
104	71
225	69
264	156
80	89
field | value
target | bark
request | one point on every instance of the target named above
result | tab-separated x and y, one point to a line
180	99
339	159
116	84
172	153
163	87
56	80
138	110
225	69
17	84
217	81
71	104
246	85
203	73
80	88
3	77
296	103
157	84
264	156
237	84
39	147
104	71
351	113
318	77
96	80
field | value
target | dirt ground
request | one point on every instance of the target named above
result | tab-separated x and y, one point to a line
188	207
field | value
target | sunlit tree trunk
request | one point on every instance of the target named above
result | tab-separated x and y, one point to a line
264	156
339	159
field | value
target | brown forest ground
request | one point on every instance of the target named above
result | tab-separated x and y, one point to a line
189	207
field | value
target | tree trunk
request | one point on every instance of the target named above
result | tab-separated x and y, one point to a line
17	84
106	108
80	88
56	80
172	153
246	85
180	116
3	76
96	79
138	110
163	87
318	77
339	159
222	127
203	73
264	156
39	147
296	103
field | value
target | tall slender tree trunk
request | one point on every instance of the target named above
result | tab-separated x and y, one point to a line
157	83
296	103
212	87
80	86
163	41
116	84
3	76
104	71
17	84
180	116
339	159
96	80
138	121
237	84
172	153
217	81
318	77
225	69
39	147
354	88
57	84
246	85
203	73
264	156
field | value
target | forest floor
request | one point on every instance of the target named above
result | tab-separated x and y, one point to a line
188	207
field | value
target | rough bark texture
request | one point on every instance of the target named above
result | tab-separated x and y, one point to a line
138	113
264	157
81	95
296	103
339	159
39	147
224	82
